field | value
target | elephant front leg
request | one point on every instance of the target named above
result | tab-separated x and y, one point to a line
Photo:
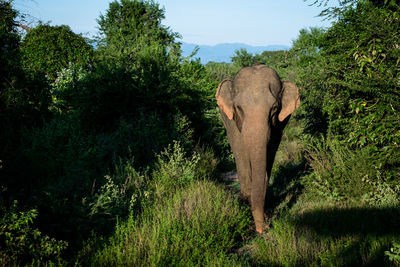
244	176
243	168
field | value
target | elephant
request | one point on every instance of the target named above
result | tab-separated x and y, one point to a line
255	107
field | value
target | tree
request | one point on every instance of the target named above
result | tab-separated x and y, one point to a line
133	24
9	51
339	9
351	86
243	58
48	49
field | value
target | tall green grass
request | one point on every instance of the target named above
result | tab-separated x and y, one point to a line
186	219
328	234
328	205
189	221
341	173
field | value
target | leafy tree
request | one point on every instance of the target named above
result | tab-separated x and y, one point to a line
48	49
361	61
351	85
274	59
9	42
127	21
242	58
306	56
306	46
138	66
130	25
221	70
9	56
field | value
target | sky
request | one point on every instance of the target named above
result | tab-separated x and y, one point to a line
202	22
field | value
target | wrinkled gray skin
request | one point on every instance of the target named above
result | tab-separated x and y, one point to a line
255	107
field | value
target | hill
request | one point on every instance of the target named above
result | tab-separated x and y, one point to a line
224	52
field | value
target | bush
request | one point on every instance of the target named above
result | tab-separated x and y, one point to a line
221	71
394	253
49	49
340	173
67	88
173	170
23	244
176	228
62	153
126	191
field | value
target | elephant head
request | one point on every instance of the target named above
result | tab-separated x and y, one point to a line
255	108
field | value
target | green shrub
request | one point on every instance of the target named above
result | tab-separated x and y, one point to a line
356	175
242	58
60	152
67	88
173	170
206	166
394	253
176	228
199	225
125	191
221	71
23	244
48	49
150	133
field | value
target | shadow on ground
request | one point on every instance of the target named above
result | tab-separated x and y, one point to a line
285	186
338	222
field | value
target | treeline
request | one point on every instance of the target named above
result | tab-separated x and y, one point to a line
74	119
108	147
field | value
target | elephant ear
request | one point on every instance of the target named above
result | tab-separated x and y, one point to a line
224	98
290	99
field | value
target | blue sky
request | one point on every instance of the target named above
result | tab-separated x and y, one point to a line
253	22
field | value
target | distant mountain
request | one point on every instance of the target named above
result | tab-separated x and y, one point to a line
224	52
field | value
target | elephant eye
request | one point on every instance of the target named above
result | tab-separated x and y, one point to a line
239	109
238	117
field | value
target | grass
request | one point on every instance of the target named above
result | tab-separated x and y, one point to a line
328	234
313	225
201	224
192	220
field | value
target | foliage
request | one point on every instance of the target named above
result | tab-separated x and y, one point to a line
92	146
67	87
340	173
9	43
126	192
310	78
326	234
394	253
221	71
371	50
11	100
176	229
242	58
339	9
350	75
22	244
48	49
130	23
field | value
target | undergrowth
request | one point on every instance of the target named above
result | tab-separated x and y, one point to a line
327	205
187	221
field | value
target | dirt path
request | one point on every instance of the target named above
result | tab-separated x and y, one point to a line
230	176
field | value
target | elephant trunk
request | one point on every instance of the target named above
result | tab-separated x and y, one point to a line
256	138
